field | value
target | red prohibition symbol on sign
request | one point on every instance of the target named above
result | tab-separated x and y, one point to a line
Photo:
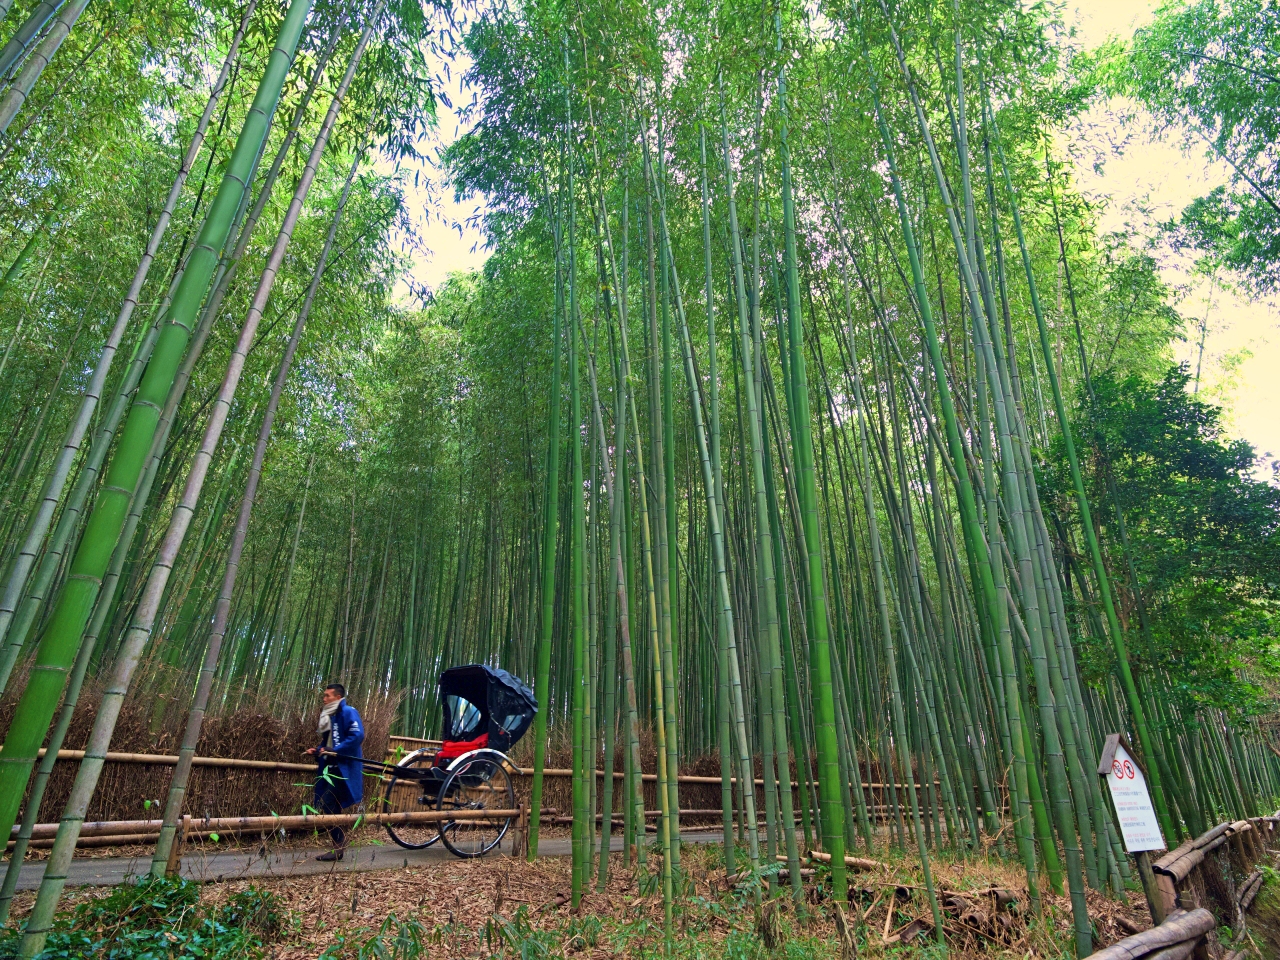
1117	769
1128	770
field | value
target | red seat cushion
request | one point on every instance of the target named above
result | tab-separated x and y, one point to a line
452	749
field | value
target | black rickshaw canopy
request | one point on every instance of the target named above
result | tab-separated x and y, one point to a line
481	699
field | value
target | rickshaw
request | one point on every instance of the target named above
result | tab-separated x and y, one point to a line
486	712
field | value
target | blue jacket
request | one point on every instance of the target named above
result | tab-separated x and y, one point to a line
343	778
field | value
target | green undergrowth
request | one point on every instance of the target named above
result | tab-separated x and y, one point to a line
756	920
747	923
161	919
705	925
523	937
1263	919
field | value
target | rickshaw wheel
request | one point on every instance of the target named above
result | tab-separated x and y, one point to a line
479	782
407	794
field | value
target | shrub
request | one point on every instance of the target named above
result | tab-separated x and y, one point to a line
161	919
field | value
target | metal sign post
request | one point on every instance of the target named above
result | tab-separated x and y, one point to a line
1139	828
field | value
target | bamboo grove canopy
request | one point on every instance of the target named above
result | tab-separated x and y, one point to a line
801	420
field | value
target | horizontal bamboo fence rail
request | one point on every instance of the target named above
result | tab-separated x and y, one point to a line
109	833
168	760
299	822
132	830
159	759
124	832
113	840
708	781
117	832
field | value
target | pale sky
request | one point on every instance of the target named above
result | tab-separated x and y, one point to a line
1136	180
1150	180
446	229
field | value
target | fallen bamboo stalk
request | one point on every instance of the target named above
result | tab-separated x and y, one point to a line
888	919
853	863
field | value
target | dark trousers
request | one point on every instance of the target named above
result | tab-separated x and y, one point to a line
328	803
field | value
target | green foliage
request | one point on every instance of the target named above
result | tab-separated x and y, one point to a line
162	919
395	939
1212	70
1237	230
519	937
1205	535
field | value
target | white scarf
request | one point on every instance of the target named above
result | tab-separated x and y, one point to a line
325	726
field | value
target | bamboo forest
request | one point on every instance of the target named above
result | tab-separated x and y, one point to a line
802	416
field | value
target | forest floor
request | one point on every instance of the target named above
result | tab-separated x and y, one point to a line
503	907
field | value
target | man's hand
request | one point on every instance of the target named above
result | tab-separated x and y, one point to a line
311	752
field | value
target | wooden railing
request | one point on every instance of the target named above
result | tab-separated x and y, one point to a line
1200	870
1181	935
169	760
1202	873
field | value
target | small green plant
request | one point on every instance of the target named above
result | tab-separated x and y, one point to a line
395	939
256	910
161	919
518	937
585	929
742	945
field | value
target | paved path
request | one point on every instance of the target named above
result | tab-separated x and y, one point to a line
234	865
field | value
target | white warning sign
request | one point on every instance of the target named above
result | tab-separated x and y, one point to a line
1138	824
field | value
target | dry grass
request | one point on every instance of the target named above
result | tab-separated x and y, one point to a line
975	922
463	908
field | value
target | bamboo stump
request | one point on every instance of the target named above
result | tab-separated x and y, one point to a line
171	868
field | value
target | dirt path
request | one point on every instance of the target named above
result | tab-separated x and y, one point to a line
241	864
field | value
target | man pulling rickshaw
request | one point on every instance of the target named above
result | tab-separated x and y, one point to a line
340	780
486	712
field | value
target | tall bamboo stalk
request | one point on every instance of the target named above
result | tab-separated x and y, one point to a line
551	522
222	610
832	810
16	96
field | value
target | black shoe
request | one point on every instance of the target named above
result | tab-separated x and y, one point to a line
331	856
